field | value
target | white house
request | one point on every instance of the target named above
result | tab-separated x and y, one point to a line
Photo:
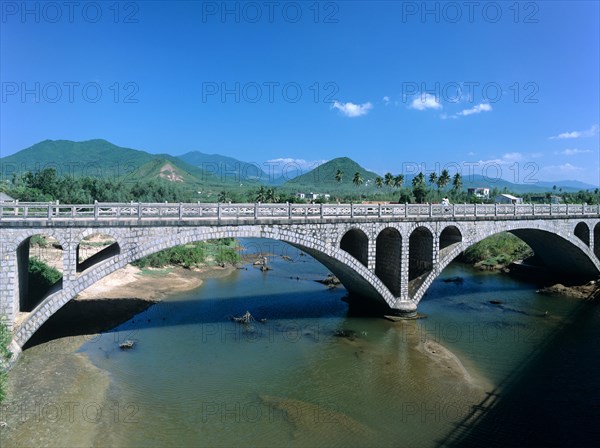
507	199
313	196
481	193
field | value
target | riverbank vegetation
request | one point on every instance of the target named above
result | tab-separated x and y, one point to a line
5	354
41	278
216	252
497	250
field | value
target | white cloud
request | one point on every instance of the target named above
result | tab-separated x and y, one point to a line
573	152
577	134
298	163
470	153
446	117
352	110
564	168
386	99
483	107
512	157
425	101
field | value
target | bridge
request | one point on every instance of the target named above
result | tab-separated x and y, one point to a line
386	255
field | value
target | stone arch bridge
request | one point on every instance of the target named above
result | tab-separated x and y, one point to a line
386	255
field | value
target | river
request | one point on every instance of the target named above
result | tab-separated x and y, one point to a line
310	375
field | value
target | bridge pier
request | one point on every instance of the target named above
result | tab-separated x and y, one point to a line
406	309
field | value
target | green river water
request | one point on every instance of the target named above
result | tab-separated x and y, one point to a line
311	375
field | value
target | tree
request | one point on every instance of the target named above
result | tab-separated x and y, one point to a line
261	195
419	187
398	181
443	180
378	182
339	175
223	196
456	184
271	195
357	180
433	178
388	180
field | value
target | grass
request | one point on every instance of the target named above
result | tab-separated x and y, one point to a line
5	338
500	249
202	253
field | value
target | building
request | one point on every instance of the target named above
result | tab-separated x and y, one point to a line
6	198
507	199
481	193
313	196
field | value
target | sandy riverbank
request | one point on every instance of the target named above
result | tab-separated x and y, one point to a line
120	296
151	284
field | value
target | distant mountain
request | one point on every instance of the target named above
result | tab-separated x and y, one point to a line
100	158
532	187
569	184
322	178
227	169
97	158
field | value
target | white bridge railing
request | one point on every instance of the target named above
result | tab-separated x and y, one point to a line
128	211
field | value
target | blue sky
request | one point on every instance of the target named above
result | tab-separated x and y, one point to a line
504	88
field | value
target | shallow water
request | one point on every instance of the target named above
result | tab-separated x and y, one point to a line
195	378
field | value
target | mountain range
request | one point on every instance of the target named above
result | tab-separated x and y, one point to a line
100	158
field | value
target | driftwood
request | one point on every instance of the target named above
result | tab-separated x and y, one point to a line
125	345
247	318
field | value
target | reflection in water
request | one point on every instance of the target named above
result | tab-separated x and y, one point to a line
309	376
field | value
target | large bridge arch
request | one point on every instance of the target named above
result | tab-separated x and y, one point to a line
562	252
352	273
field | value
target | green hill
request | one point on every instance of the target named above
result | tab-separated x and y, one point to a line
322	178
97	158
165	169
102	159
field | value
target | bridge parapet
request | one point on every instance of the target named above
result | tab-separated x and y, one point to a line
226	212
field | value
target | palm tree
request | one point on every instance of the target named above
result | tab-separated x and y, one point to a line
398	181
419	187
339	176
378	182
261	194
457	184
357	180
443	180
433	178
388	180
271	195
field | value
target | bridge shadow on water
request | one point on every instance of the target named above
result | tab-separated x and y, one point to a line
86	317
551	400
